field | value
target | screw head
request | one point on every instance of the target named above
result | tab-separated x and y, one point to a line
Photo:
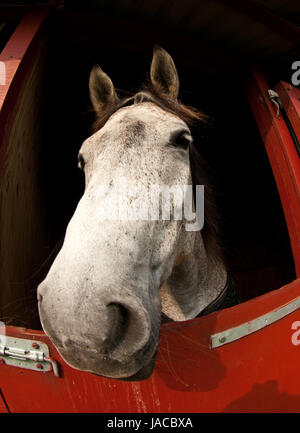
222	339
35	346
39	366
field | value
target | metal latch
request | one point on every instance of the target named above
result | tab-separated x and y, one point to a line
274	97
29	354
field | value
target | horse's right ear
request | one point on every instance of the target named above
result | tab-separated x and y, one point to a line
102	91
163	73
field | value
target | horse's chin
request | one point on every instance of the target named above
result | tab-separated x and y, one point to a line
134	370
144	373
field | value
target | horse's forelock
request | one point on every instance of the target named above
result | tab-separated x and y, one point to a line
190	115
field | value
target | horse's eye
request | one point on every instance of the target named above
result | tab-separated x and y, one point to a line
81	162
181	139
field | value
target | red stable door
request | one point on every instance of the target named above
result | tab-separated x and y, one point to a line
242	359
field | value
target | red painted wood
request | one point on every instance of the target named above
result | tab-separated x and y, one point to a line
16	56
256	373
282	155
3	407
290	99
17	46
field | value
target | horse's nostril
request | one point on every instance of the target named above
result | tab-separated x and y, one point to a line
119	320
129	332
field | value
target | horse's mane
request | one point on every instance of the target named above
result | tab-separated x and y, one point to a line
199	168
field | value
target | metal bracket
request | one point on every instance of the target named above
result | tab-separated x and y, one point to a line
29	354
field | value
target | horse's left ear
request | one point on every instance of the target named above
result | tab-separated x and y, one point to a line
102	91
163	73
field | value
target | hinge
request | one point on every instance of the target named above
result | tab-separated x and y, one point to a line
30	354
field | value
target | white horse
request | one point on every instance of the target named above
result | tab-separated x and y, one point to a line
102	300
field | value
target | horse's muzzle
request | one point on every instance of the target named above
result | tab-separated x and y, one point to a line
116	338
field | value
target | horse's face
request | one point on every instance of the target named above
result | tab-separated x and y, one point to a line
100	302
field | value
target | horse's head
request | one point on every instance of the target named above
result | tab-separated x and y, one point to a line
102	299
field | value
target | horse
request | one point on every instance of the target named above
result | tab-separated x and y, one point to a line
114	280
